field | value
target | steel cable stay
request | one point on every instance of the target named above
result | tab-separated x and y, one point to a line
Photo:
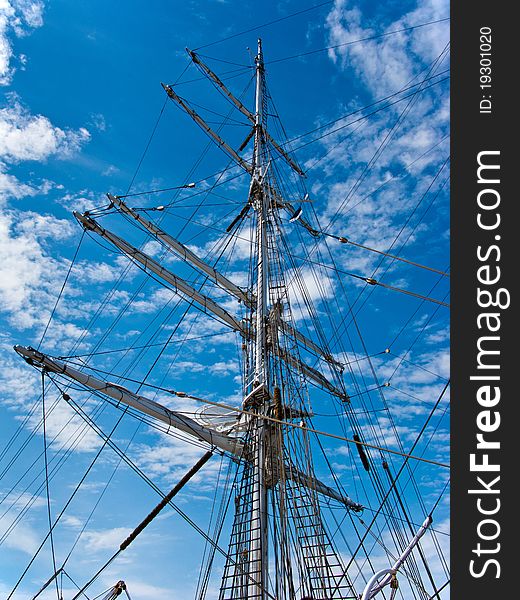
225	75
26	442
397	437
127	348
87	520
414	397
208	555
405	462
235	409
15	502
435	197
415	578
20	428
384	143
406	88
220	230
431	529
414	341
415	524
276	158
335	268
98	501
71	497
64	457
275	420
47	488
381	145
72	445
126	270
166	500
411	95
414	364
371	281
62	289
345	240
64	284
404	485
315	246
388	521
284	18
403	570
369	38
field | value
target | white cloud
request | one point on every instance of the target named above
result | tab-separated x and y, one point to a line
24	136
98	121
382	66
26	539
385	64
12	187
27	273
171	457
18	17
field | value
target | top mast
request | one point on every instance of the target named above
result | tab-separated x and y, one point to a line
260	198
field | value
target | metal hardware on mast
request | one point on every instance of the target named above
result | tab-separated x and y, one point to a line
258	525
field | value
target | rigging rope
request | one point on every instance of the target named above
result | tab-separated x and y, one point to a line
76	489
61	290
401	469
365	39
345	240
234	35
149	518
286	143
47	492
282	422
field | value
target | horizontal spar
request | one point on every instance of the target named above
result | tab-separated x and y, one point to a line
245	111
181	250
171	418
177	283
140	403
312	373
203	125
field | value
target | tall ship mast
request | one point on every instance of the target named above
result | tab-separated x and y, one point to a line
297	531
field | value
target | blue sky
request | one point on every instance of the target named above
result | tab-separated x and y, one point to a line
80	97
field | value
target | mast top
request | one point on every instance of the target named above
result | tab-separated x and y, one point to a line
259	59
